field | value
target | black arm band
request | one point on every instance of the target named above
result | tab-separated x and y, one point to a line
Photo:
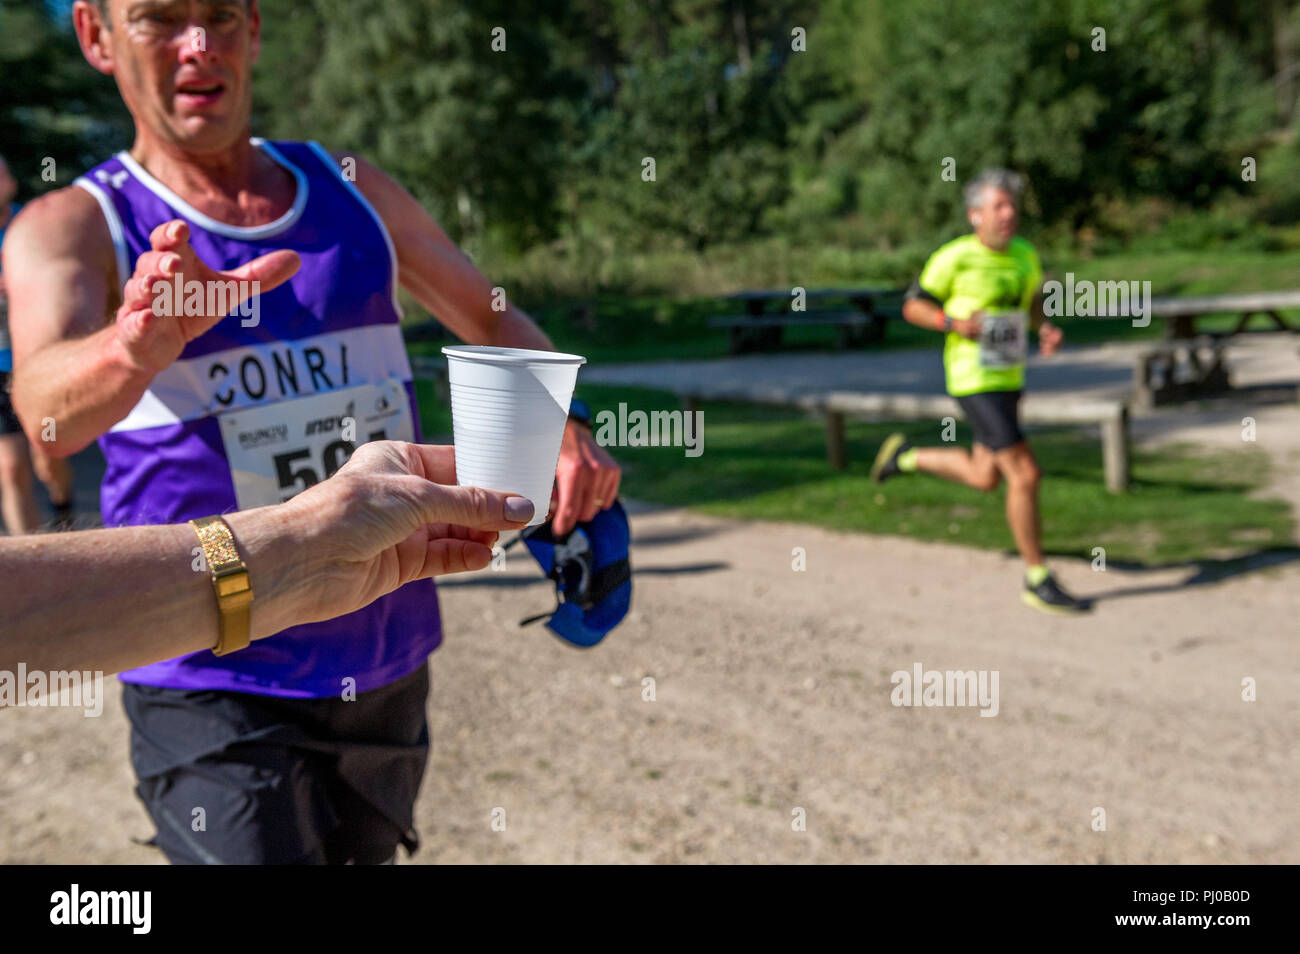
915	291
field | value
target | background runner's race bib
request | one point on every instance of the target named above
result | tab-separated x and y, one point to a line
1003	339
278	450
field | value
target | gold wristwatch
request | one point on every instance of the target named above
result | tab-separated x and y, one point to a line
229	581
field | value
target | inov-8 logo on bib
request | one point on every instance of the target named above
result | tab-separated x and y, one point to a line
279	450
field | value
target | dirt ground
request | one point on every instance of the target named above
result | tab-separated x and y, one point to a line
771	694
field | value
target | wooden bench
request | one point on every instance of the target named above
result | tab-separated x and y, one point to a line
1111	416
761	330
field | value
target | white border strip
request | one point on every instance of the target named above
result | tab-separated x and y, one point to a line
186	389
221	228
332	165
114	228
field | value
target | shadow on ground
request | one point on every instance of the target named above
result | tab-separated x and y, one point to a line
1205	572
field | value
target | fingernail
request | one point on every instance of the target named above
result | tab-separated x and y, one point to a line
519	509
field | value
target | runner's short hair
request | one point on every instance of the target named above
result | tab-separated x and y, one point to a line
1003	179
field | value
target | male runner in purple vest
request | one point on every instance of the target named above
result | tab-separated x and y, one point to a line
308	746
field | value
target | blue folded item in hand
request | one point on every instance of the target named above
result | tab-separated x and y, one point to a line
593	578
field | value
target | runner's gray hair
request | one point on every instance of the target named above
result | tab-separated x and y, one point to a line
1003	179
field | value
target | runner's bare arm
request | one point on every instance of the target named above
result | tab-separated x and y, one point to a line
1036	314
1050	337
60	273
438	274
926	314
78	374
447	283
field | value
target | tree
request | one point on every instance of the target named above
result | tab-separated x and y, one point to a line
53	105
473	128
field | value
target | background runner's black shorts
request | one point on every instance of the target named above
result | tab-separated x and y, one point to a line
8	419
280	781
994	418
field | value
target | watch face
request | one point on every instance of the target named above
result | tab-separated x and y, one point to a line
217	542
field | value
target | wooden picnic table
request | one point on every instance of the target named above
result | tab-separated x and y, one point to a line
1189	365
760	327
1181	313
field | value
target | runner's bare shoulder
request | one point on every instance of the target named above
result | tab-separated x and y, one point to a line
65	222
58	251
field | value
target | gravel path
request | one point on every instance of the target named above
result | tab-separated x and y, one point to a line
772	694
772	697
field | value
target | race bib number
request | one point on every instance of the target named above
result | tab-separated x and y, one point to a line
1002	340
279	450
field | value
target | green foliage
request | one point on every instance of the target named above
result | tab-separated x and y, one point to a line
716	140
52	104
772	163
1018	83
474	132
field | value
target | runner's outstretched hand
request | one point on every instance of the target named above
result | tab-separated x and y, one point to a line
152	342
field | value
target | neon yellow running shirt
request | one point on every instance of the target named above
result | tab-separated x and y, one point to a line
968	276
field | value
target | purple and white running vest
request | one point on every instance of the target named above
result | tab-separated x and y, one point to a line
263	405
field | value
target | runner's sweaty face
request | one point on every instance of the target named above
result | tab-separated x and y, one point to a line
996	221
183	67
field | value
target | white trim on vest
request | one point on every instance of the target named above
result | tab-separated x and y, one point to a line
114	228
188	388
209	224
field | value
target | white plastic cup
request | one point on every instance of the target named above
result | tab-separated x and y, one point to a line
509	407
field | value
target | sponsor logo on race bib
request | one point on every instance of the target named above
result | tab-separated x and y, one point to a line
279	450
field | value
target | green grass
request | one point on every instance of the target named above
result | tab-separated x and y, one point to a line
769	464
435	415
666	326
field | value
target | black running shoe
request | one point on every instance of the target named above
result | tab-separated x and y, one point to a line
886	464
1050	598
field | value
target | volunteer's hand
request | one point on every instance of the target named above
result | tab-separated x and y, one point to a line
969	327
586	479
152	342
1049	339
391	515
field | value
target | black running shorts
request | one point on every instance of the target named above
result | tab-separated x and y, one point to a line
993	417
237	778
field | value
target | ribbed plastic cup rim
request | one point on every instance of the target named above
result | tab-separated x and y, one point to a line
511	355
